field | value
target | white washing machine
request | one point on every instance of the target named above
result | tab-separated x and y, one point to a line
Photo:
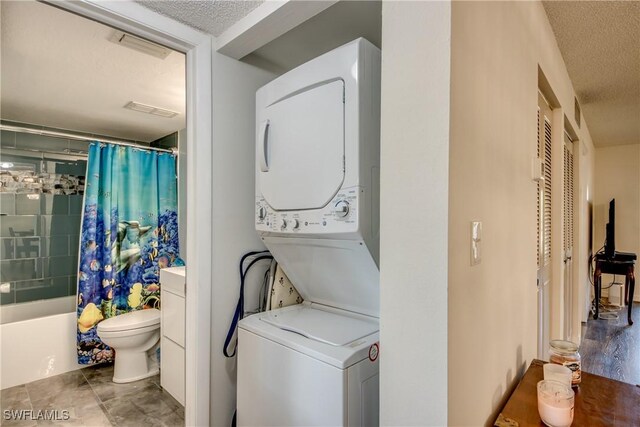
317	210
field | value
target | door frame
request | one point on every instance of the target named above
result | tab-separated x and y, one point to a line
143	22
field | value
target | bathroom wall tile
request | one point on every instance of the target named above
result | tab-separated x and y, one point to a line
32	141
31	284
7	249
28	247
19	225
73	285
51	204
167	142
76	168
60	225
60	266
7	204
50	288
8	298
74	244
7	139
55	246
20	269
28	204
78	146
75	204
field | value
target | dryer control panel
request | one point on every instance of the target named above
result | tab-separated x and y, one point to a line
338	216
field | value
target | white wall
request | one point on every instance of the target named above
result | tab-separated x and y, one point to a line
413	212
234	87
618	176
497	48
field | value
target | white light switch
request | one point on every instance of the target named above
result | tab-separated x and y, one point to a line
476	238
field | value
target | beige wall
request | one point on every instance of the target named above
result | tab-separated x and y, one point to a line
618	176
584	218
497	48
413	212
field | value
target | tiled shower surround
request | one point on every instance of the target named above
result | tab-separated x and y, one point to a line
39	233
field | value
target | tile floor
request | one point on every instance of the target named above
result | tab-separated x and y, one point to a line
92	399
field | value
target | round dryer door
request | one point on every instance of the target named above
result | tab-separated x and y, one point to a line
300	148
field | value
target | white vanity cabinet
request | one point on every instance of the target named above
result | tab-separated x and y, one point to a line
172	354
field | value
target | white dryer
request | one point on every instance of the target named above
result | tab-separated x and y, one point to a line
317	210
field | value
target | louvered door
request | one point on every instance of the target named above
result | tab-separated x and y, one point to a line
567	233
544	226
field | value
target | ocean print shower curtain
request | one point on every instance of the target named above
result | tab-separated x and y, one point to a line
129	232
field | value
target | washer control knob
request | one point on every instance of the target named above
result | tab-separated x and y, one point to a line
283	223
295	224
262	213
341	209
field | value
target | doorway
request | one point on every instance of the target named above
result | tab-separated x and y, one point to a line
140	22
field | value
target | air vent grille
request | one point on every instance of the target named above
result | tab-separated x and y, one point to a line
139	44
150	109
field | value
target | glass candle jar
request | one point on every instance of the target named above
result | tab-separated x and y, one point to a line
555	403
565	353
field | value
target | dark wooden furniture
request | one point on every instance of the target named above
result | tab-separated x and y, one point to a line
623	264
599	401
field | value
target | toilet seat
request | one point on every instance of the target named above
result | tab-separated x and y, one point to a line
127	332
147	319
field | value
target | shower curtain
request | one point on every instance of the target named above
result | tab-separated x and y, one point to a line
129	232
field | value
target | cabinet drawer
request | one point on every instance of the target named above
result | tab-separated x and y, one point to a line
173	312
172	369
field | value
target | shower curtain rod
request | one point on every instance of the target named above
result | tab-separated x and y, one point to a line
56	134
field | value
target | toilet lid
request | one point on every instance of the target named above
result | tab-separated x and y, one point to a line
134	320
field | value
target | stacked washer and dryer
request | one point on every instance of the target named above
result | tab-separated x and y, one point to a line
317	211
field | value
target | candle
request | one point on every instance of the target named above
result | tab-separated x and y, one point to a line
558	373
555	403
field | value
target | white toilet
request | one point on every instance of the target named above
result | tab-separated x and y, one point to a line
132	335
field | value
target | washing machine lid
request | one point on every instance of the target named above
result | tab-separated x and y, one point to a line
335	273
300	148
306	317
128	321
321	325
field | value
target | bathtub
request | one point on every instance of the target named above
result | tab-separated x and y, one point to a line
40	347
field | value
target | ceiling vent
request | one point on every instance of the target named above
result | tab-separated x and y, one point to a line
149	109
139	44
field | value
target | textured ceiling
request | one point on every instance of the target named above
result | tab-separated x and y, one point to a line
210	16
61	70
600	44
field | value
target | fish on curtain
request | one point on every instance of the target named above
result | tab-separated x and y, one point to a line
129	232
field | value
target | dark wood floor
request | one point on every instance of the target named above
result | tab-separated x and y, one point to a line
611	348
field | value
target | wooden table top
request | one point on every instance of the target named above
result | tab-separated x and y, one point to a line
599	401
